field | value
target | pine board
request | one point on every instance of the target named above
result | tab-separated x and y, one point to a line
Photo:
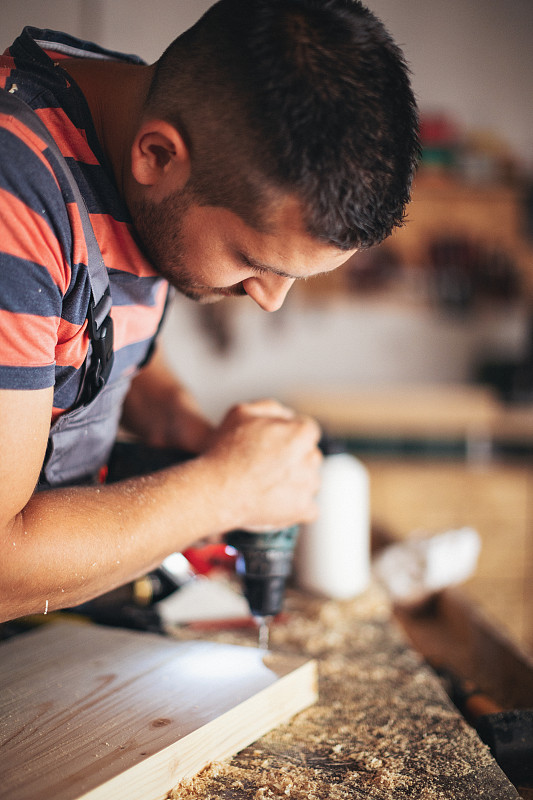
92	712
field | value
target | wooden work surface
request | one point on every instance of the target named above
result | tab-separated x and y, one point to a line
383	729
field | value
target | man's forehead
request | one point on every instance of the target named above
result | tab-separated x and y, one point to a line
299	253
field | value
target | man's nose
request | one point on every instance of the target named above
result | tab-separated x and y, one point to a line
268	291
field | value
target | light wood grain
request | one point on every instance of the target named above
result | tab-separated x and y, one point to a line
94	713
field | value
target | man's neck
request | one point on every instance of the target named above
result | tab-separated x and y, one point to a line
115	93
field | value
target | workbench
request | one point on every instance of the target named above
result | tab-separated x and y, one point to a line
383	727
425	417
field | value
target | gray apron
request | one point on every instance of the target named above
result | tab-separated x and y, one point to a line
81	440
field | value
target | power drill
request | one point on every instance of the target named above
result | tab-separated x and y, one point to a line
264	563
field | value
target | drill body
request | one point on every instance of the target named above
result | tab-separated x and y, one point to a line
264	563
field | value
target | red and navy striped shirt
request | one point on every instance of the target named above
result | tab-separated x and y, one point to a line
44	284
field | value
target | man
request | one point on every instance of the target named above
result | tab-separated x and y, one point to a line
268	144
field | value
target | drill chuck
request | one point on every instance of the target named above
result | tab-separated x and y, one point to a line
264	563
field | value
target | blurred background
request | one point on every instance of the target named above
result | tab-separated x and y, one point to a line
420	352
450	293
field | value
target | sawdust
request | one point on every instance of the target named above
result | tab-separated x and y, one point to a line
286	782
382	728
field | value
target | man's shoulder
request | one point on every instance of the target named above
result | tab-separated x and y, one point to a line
32	69
34	46
27	180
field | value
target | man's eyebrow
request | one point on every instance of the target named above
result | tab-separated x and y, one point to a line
255	264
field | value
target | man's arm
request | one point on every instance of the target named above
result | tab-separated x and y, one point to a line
162	412
64	546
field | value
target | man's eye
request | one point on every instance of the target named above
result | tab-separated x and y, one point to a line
250	265
259	270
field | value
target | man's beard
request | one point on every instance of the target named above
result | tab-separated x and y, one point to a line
159	227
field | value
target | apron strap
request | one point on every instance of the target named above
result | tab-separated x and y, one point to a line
100	323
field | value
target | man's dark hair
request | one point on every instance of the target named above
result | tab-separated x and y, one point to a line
307	97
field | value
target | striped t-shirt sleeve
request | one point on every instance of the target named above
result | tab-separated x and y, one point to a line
35	271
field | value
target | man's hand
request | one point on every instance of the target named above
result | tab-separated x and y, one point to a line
270	463
62	547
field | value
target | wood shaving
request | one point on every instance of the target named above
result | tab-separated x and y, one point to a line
382	729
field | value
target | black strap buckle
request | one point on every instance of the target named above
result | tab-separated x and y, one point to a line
102	355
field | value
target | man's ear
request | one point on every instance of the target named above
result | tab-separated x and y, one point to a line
159	157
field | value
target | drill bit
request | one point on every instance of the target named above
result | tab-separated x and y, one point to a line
263	624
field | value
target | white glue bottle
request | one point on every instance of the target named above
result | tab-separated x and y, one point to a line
332	556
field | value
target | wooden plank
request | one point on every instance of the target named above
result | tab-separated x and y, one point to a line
92	712
409	495
455	634
403	410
